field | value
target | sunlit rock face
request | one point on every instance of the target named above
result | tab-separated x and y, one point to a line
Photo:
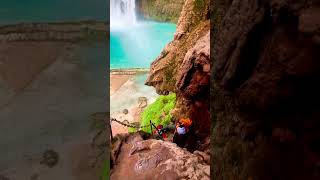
265	97
155	159
183	67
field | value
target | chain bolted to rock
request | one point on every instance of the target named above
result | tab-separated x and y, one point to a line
160	132
129	125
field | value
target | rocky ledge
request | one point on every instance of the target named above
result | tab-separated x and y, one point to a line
72	31
136	158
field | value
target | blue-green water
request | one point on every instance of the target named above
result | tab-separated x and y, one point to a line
137	46
19	11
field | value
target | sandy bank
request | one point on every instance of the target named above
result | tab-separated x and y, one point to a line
125	92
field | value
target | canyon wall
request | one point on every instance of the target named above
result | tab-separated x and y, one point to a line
160	10
265	94
183	66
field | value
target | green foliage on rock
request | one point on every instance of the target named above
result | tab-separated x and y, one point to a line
132	130
105	171
199	4
161	10
158	112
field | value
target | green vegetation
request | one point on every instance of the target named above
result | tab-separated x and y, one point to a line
161	10
132	130
158	112
199	4
105	171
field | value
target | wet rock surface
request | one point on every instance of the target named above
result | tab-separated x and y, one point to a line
155	159
264	93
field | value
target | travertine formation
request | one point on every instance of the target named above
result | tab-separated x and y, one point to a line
184	66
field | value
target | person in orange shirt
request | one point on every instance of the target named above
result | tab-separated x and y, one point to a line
186	123
181	132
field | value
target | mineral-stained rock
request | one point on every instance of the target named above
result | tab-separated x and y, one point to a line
159	160
194	74
183	66
265	96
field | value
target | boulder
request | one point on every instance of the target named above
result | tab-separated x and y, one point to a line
159	160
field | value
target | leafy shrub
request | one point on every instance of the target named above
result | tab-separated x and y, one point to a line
158	112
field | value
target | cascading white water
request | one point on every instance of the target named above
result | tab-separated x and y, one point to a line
122	13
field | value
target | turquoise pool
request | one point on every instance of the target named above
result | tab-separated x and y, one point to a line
136	46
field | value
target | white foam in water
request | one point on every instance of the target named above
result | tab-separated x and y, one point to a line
133	38
122	13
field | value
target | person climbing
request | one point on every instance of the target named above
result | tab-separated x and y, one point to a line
161	132
181	133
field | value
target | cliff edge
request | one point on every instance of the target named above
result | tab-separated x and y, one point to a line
183	67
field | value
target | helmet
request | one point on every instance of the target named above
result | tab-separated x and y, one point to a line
186	122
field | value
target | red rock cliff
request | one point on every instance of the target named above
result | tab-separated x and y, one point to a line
184	66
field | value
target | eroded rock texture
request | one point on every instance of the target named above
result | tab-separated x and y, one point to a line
183	66
266	102
159	10
135	158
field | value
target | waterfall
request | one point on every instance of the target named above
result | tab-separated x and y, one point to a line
122	13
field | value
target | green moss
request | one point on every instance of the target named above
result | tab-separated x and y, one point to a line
132	130
161	10
105	171
158	112
199	4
